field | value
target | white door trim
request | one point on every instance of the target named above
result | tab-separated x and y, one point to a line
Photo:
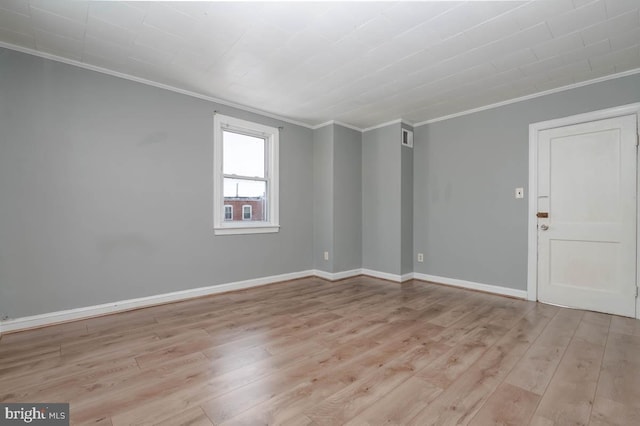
534	129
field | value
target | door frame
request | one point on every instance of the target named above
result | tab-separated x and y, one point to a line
532	236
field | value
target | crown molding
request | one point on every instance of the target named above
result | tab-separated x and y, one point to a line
300	123
532	96
361	130
151	83
337	123
319	126
348	126
389	123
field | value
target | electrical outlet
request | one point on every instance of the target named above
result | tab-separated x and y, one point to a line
519	192
420	257
326	255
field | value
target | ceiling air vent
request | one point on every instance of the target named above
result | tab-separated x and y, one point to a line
407	138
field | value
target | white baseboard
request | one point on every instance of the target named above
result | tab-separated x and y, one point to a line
51	318
406	277
488	288
386	276
335	276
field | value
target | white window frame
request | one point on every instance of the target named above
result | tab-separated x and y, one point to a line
271	136
225	211
250	211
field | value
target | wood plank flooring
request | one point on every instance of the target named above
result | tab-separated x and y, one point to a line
309	352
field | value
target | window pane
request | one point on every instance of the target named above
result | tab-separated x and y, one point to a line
242	155
246	212
239	193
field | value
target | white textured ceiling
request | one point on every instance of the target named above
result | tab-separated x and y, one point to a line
361	63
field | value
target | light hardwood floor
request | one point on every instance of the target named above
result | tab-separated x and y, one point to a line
359	351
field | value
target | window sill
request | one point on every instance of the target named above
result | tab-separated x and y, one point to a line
244	229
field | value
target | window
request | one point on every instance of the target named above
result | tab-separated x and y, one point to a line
246	212
245	174
228	212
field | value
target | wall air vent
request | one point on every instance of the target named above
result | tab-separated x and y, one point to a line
407	138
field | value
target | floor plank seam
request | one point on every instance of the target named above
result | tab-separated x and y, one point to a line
522	356
524	353
557	366
595	392
533	412
461	376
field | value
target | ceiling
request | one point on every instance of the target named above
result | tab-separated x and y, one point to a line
361	63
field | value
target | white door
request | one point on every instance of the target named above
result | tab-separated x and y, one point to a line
587	191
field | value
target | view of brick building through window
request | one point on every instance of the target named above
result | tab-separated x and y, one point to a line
245	209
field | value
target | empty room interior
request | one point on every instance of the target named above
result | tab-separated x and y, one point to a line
319	213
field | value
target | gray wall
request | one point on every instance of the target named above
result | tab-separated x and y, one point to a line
323	198
337	225
466	219
106	192
406	214
347	200
381	199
